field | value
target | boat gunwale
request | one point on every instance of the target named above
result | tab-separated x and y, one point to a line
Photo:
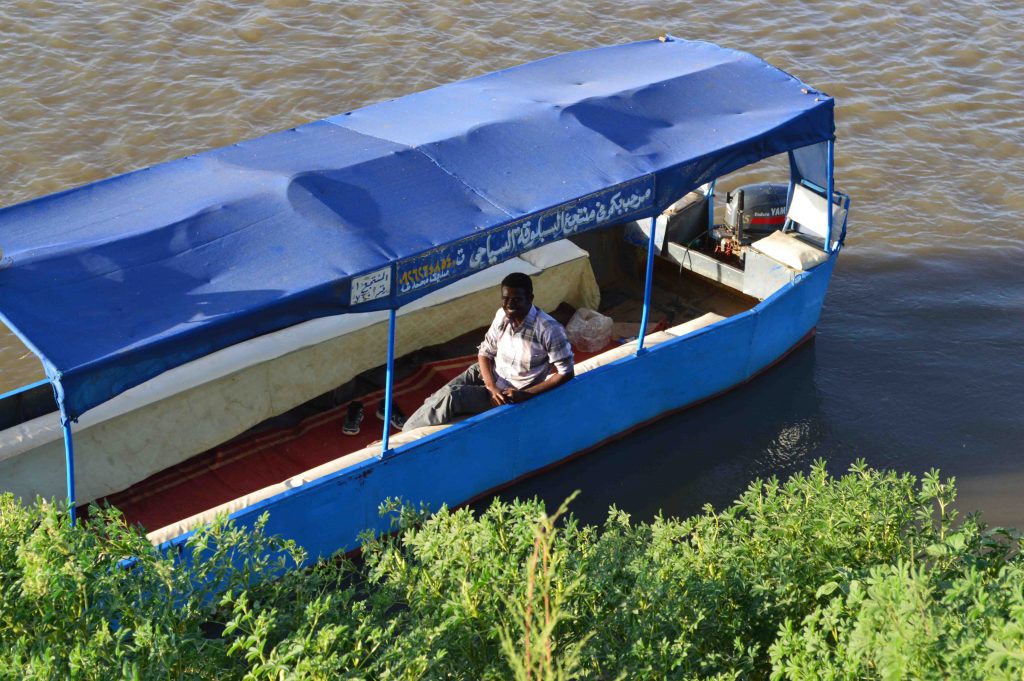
363	467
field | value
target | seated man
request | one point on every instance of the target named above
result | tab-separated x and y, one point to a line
518	351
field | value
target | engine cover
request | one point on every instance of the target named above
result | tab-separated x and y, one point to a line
756	210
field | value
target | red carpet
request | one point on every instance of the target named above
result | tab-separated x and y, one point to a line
248	463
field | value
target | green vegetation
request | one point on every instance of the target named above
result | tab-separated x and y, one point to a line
865	576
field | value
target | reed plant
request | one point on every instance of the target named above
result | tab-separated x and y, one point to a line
867	575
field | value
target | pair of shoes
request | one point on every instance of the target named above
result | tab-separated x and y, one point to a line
353	417
397	417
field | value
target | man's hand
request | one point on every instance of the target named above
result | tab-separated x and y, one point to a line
513	396
487	373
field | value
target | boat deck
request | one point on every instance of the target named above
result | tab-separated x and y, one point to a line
311	434
297	441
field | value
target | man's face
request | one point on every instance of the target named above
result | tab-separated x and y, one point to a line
515	303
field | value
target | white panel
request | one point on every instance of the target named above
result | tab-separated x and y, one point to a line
763	275
661	228
807	209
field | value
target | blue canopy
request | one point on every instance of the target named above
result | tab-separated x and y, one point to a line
117	281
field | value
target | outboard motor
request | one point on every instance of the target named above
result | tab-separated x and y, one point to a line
754	211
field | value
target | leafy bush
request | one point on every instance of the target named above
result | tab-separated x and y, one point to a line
71	610
869	575
905	621
707	596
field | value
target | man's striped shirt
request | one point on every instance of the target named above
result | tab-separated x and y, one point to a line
523	357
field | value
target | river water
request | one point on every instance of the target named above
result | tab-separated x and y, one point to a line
918	362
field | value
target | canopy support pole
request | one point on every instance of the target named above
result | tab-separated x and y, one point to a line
711	205
69	464
389	382
647	288
828	193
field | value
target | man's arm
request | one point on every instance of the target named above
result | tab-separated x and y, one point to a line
485	358
553	381
487	373
560	351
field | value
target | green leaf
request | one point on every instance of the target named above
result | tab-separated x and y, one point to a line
826	589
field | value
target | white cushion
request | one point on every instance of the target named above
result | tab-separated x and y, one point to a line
624	350
790	251
694	324
407	436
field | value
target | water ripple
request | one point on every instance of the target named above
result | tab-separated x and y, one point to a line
929	122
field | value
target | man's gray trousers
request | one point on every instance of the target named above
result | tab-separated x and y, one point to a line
465	394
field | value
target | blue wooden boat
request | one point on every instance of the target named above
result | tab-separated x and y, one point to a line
177	306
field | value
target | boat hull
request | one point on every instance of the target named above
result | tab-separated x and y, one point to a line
491	450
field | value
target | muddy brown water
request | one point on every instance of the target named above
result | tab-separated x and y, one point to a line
918	361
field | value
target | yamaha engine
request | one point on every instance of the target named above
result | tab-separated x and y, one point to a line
754	211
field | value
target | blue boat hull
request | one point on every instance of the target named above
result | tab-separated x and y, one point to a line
492	450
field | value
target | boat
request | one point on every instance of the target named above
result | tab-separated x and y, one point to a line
181	307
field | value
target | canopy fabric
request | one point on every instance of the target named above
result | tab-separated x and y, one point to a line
115	282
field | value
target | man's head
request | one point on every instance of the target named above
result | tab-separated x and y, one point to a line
516	296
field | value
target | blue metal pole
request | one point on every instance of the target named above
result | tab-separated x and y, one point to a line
23	389
389	382
69	464
789	187
828	194
647	288
711	205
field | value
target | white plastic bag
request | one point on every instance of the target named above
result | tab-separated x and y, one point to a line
589	330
